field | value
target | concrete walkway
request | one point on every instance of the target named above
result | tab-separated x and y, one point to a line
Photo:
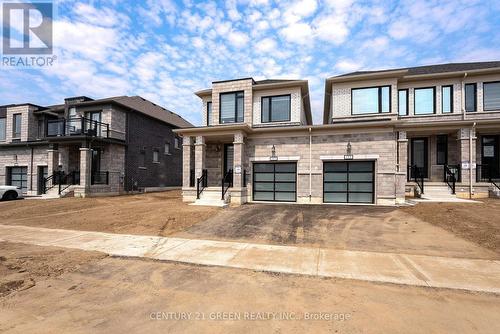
420	270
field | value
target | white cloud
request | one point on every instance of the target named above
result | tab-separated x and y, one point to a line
266	45
238	38
331	29
299	33
377	44
299	10
347	65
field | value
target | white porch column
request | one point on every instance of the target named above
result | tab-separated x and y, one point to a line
186	161
467	157
85	167
402	166
199	156
52	161
238	163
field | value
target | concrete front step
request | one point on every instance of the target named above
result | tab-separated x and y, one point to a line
211	196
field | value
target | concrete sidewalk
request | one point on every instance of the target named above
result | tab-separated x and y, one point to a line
421	270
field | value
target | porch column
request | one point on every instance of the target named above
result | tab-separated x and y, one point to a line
186	161
52	161
402	167
199	156
238	163
85	167
466	138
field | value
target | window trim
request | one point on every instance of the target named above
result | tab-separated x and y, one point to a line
379	100
485	83
5	129
433	98
235	107
177	145
14	123
157	151
451	99
475	96
407	101
211	111
167	144
270	105
445	151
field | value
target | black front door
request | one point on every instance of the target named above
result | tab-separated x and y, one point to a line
42	175
419	156
490	157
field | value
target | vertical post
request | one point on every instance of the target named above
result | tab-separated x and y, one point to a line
53	162
85	168
403	170
199	155
186	162
238	162
467	153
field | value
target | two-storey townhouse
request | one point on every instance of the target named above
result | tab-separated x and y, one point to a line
444	119
90	147
386	134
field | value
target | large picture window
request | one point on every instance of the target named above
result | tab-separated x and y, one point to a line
403	102
16	126
470	97
275	108
447	99
231	108
425	102
371	100
491	96
2	129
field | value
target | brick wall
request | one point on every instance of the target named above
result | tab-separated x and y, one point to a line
296	106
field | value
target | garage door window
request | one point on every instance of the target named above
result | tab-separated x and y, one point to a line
274	182
348	182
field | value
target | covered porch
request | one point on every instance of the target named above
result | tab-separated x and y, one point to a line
214	162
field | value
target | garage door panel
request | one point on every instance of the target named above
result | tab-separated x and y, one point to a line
275	182
348	182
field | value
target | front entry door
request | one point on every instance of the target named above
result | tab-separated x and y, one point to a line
419	155
42	175
490	156
228	158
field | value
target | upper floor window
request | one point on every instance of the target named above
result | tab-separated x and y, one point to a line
447	99
176	142
167	148
231	107
276	108
2	129
209	113
470	97
425	102
491	96
403	102
16	125
371	100
156	156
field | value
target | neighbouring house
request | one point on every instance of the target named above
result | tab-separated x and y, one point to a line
429	130
90	147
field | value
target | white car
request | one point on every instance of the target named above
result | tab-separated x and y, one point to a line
9	193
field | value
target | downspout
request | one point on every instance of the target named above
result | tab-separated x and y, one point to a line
471	133
31	174
310	164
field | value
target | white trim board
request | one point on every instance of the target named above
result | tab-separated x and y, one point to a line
354	157
258	159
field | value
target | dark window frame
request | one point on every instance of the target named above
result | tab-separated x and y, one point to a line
379	100
270	108
407	101
451	99
274	182
433	102
209	114
475	96
438	143
235	120
16	135
485	83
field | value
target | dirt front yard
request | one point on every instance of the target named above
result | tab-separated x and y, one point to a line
70	291
151	214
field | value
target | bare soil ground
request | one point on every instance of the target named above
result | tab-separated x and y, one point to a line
151	214
478	222
373	229
81	292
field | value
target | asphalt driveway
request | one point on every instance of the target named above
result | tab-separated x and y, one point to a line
365	228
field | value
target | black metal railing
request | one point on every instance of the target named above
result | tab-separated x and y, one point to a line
227	182
78	126
52	180
201	183
488	173
451	174
99	177
244	178
416	174
192	178
69	180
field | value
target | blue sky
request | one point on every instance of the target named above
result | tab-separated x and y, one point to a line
165	50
